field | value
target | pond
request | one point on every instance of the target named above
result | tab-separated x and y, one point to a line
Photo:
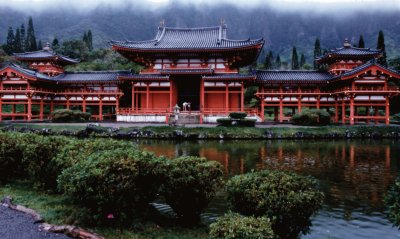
354	175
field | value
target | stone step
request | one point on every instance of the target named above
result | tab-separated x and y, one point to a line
185	119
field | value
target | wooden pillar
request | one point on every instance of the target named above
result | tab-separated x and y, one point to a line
343	111
262	108
299	104
226	98
351	110
51	105
242	97
202	95
171	106
68	102
133	96
281	109
13	111
336	111
387	111
101	108
318	102
29	112
116	104
147	96
83	103
41	108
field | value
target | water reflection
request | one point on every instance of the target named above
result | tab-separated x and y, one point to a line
354	176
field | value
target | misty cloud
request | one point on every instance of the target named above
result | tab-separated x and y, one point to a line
283	5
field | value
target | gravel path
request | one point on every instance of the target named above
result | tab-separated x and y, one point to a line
17	225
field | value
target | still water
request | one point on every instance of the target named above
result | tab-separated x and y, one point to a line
354	175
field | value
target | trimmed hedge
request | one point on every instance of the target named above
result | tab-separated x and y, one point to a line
288	199
66	115
190	184
237	115
312	117
116	182
392	201
235	226
236	119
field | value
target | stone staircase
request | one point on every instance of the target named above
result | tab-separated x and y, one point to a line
185	118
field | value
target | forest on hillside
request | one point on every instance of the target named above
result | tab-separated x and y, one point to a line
281	30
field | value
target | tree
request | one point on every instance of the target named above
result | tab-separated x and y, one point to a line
10	45
381	46
17	44
31	44
278	62
56	44
361	43
85	39
268	64
295	59
317	52
302	60
23	42
90	40
39	45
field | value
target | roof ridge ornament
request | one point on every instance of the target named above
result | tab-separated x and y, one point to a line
47	47
346	43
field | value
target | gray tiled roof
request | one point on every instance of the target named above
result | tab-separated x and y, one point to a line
188	38
44	54
366	66
187	71
293	76
27	72
229	76
90	76
143	77
349	52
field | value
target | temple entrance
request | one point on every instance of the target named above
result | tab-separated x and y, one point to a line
188	90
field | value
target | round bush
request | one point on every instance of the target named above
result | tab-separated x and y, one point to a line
392	200
288	199
237	115
79	150
312	117
235	226
115	183
190	184
66	115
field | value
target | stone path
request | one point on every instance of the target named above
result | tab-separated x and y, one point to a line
17	225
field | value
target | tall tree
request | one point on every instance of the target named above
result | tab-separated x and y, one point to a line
295	59
302	60
90	40
85	39
39	45
10	45
31	44
55	44
269	59
317	52
23	37
381	46
361	43
278	62
17	44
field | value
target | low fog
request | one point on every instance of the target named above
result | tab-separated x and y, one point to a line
318	6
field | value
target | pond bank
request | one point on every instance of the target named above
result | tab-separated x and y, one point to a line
207	133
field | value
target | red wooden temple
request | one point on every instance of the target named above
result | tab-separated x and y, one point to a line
200	66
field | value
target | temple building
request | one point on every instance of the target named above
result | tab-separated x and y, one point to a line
197	69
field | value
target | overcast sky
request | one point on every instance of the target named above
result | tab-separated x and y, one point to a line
285	5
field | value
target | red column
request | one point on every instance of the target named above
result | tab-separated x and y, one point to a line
133	96
351	110
336	111
201	100
170	96
83	104
262	108
29	108
13	111
343	111
226	98
281	109
1	108
387	111
101	108
318	102
299	104
41	108
51	105
242	98
67	102
116	104
147	96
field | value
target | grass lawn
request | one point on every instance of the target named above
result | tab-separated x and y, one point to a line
56	209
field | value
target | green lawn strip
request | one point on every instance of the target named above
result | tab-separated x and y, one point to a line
56	209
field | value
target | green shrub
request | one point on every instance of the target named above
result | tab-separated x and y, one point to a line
289	200
312	117
227	122
79	150
190	184
11	153
116	182
66	115
235	226
396	117
392	200
237	115
224	121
